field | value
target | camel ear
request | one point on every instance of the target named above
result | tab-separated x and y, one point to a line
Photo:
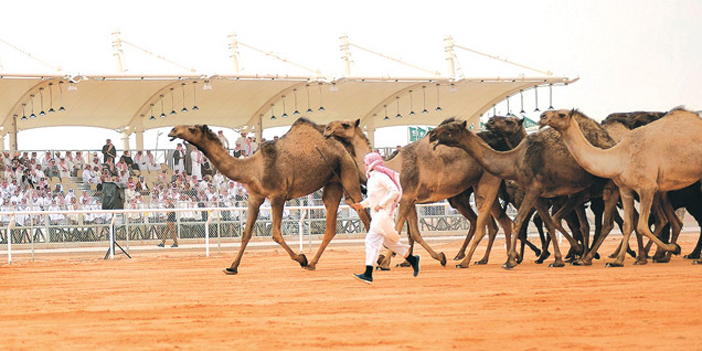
520	121
358	122
573	111
464	124
204	127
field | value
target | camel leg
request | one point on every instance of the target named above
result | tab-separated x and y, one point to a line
492	234
405	206
467	212
675	225
566	209
485	195
414	232
252	215
661	223
696	212
647	196
331	195
545	240
529	202
277	205
584	227
627	196
542	209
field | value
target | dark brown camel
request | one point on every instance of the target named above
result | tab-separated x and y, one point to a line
430	175
281	170
542	167
659	157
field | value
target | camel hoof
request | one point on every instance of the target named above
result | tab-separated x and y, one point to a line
692	256
677	250
614	255
381	258
509	264
403	264
614	264
557	264
581	262
480	263
309	268
641	262
696	262
539	261
460	266
381	268
442	259
229	271
597	256
459	256
302	260
537	252
662	259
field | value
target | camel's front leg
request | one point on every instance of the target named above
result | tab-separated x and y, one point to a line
485	195
414	232
252	215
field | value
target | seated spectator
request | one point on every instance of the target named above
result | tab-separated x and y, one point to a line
141	185
89	176
64	168
127	158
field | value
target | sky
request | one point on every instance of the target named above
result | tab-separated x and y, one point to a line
628	55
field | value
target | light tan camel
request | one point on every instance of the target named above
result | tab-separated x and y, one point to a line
542	167
281	170
659	157
428	175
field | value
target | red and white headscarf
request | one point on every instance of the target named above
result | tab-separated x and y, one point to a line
374	162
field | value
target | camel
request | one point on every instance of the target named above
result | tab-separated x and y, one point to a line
656	158
281	170
542	167
429	175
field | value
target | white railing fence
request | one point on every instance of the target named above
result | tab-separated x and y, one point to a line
30	233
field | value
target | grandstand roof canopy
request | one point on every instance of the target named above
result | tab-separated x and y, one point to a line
126	103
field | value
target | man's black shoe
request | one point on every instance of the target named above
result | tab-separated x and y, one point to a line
415	265
174	245
160	245
363	278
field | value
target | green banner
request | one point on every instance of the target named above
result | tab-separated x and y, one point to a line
416	133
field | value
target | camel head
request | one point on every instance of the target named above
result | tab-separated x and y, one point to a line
556	119
638	119
345	130
448	133
506	126
198	135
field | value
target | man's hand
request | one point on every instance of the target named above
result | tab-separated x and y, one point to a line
377	208
357	206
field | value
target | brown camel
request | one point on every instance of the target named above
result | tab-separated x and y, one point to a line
428	175
281	170
542	167
659	157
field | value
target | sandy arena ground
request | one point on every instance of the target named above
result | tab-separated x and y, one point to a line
179	299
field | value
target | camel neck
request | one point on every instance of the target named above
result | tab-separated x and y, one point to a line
238	170
501	164
596	161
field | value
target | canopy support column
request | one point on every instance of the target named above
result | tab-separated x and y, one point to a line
125	141
13	135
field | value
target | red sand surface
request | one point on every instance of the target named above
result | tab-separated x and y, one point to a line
178	299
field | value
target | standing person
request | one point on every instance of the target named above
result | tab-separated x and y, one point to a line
109	151
196	159
223	139
170	224
242	147
384	192
179	158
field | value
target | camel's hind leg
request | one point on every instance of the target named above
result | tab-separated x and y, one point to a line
542	209
675	226
252	214
277	205
461	203
413	222
405	207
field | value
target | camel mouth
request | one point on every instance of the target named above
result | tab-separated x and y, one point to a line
172	138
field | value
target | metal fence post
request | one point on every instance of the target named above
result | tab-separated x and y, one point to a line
207	234
9	239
